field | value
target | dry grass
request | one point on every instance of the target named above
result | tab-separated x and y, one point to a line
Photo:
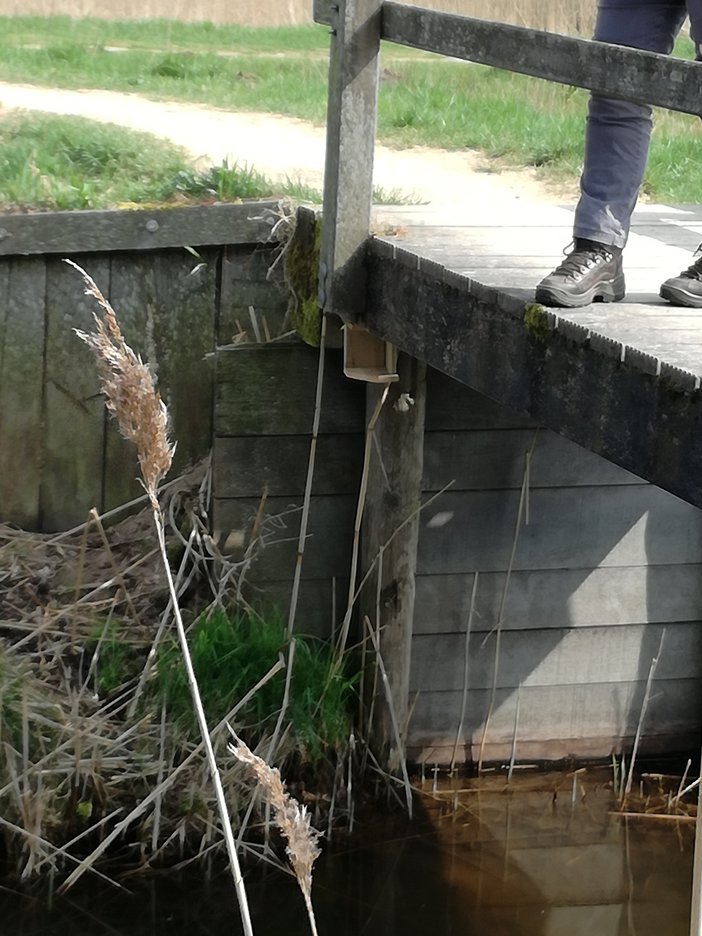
568	16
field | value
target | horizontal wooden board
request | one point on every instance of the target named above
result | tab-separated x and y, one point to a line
560	598
585	386
245	465
549	713
558	657
605	69
22	343
320	606
328	547
566	750
67	232
270	389
74	435
492	459
452	406
569	528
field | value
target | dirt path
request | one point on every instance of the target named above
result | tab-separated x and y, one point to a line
283	147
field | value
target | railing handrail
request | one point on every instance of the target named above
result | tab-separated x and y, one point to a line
612	70
357	26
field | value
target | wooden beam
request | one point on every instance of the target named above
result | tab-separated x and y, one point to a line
606	69
69	232
348	175
392	515
639	413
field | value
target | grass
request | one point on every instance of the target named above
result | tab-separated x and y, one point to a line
231	653
515	120
69	163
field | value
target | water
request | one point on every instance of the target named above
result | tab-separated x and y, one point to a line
529	861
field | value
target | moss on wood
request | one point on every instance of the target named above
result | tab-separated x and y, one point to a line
302	274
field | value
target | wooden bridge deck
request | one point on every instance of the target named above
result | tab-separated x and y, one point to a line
621	379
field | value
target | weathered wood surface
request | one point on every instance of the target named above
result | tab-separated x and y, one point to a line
274	386
75	420
168	312
390	536
572	528
246	465
327	549
251	301
605	69
489	459
616	71
22	337
68	232
559	721
551	657
560	598
348	172
639	412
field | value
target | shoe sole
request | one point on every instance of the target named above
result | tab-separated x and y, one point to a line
612	291
680	297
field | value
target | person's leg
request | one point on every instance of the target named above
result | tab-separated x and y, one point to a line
618	132
686	289
616	148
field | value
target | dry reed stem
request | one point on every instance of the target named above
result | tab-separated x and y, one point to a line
131	396
360	507
466	663
130	391
311	462
393	715
497	630
293	821
642	715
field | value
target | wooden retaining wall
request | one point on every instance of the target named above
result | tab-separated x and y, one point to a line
181	281
604	565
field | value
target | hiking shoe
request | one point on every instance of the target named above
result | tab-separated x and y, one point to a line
686	289
591	271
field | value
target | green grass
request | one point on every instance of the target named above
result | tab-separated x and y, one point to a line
515	120
68	163
231	653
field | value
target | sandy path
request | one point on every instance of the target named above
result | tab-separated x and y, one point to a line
283	147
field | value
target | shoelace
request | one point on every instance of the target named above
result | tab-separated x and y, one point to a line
582	259
695	271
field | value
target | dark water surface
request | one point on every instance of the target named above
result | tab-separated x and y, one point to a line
485	860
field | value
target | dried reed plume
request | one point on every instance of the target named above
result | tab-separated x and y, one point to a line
292	820
131	396
130	391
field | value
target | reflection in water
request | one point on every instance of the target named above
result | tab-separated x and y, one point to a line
528	860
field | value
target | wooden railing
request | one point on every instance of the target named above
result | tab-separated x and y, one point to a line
357	26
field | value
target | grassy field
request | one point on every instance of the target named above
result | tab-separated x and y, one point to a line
423	99
568	16
67	163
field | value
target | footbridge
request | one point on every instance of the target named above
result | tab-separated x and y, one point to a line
533	605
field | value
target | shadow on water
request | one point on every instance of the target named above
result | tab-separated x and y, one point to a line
531	860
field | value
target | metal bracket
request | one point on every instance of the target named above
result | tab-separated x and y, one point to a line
367	357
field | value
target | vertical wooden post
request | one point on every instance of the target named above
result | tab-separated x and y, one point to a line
392	514
348	174
696	903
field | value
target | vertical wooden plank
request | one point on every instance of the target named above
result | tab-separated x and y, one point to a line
75	412
22	338
392	510
348	174
165	302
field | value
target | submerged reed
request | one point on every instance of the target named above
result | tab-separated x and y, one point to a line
292	820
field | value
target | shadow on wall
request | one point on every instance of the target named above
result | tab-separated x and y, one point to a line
605	564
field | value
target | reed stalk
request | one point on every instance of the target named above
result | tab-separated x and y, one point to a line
132	398
642	715
292	820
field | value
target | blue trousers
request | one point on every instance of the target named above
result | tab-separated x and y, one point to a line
618	133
